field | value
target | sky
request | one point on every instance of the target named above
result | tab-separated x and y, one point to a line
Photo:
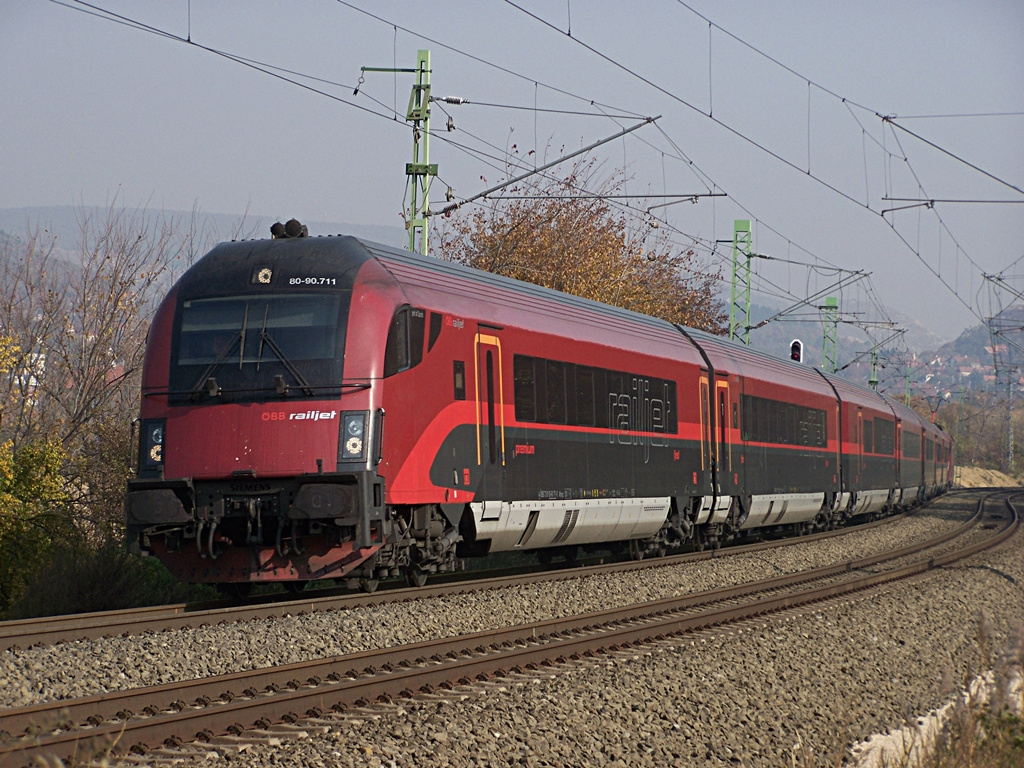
807	118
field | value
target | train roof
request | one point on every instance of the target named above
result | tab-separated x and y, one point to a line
541	309
394	257
399	257
233	266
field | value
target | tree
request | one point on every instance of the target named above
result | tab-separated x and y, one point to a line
31	492
32	512
554	234
75	319
73	323
8	349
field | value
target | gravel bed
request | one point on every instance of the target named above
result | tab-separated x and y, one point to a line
793	692
72	670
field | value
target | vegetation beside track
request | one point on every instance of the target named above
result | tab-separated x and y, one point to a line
982	727
981	477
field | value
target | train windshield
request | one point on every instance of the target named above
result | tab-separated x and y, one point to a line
254	347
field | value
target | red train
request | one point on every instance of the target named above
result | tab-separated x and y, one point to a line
329	407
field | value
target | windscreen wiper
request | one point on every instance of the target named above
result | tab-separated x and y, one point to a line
241	347
263	336
203	383
288	365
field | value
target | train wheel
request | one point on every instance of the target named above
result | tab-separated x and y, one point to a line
415	576
636	551
368	585
698	539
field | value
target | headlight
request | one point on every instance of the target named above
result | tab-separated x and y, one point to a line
352	446
151	447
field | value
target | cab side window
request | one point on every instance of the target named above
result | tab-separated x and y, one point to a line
405	341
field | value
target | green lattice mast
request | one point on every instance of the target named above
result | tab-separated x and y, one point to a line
420	171
739	308
830	334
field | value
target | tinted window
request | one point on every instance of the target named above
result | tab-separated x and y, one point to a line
555	392
525	388
396	355
435	329
585	396
304	327
776	421
252	344
417	328
885	432
405	341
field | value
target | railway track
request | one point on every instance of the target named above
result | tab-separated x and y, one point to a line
245	705
26	633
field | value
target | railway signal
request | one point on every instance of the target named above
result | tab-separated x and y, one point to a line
796	350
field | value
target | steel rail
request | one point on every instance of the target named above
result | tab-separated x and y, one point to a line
222	704
24	633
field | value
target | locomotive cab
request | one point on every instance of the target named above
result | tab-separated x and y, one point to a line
261	422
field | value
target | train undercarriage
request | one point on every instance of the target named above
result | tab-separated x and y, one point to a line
290	531
422	542
248	540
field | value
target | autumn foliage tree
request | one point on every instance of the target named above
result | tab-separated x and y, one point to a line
555	233
32	511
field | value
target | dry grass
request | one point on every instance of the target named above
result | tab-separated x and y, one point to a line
981	728
980	477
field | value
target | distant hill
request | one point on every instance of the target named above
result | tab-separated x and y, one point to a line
935	367
65	223
970	343
918	337
776	336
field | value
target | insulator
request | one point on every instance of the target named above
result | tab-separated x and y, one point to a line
451	124
449	195
455	100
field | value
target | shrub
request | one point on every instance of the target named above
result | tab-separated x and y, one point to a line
32	512
77	578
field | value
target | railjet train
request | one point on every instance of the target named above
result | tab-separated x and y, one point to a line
334	408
